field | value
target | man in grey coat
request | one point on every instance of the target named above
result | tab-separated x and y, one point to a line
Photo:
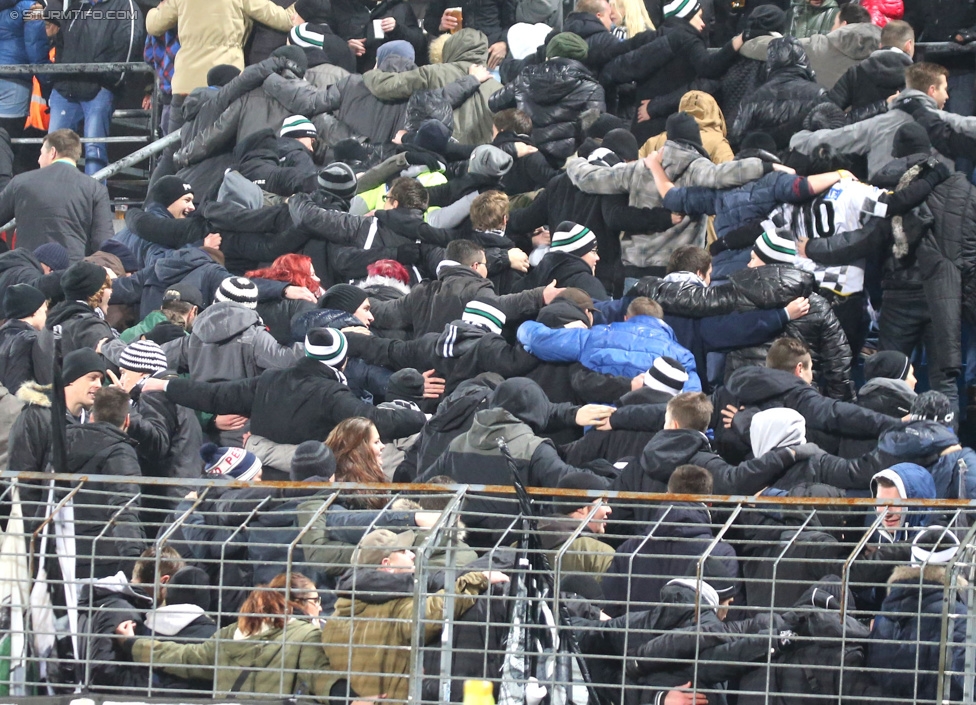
58	203
925	85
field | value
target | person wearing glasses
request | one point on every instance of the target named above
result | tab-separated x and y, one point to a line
570	262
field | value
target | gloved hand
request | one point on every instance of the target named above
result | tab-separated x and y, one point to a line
936	171
417	157
409	254
806	450
965	36
913	106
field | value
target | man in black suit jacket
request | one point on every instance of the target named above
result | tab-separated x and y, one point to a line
58	203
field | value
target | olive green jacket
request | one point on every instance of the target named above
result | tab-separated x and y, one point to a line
252	665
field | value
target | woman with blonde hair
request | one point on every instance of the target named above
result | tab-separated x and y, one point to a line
630	18
268	651
357	448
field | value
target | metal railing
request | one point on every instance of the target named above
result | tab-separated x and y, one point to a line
418	644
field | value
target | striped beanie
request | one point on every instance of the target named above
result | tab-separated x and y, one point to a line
666	375
479	313
306	35
326	345
683	9
238	290
573	238
232	463
143	356
297	126
338	179
774	249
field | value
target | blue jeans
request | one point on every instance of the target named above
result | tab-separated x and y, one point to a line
97	116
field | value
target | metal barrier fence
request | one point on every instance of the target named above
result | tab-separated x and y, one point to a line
789	635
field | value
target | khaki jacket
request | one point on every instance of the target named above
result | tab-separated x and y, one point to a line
372	638
212	32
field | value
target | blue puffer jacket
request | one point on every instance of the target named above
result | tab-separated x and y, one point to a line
21	42
923	442
624	349
913	482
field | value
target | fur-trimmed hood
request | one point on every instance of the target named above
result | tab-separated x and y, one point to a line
375	280
36	394
930	574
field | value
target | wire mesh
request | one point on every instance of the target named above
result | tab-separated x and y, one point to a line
751	600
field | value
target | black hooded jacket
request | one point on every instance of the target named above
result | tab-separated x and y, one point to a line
760	388
866	87
568	270
519	411
671	448
80	326
108	532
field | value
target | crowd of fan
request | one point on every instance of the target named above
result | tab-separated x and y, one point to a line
385	246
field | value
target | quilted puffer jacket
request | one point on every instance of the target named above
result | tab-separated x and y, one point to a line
780	105
553	94
771	286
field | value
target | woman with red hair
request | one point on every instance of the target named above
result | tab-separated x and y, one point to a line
297	270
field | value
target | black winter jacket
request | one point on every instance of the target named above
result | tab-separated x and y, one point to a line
21	267
643	565
461	351
760	388
779	106
102	606
528	173
554	94
691	60
101	31
25	355
453	417
567	270
866	87
296	404
771	286
80	326
825	643
169	439
432	305
108	534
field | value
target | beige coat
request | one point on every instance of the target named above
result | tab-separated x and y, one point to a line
708	115
212	32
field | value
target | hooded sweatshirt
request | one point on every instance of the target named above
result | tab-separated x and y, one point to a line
711	122
913	482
